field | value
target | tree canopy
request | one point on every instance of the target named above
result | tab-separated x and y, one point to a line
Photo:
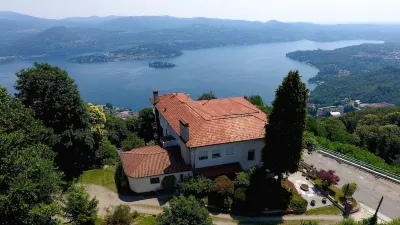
284	131
79	208
56	101
30	186
207	96
184	211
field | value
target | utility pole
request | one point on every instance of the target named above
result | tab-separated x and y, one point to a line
374	219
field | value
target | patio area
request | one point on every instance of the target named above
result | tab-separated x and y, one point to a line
312	194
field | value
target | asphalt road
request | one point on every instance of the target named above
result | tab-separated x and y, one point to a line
370	188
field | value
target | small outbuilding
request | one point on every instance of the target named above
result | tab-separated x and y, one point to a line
147	166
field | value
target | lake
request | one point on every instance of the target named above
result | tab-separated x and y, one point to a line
227	71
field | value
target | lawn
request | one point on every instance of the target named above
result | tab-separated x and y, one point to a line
287	222
145	220
334	191
325	210
101	177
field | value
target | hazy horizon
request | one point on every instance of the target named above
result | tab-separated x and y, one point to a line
314	11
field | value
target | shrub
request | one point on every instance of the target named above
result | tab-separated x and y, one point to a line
309	222
394	222
169	182
348	222
199	187
184	210
120	178
79	208
240	195
298	203
204	201
328	177
349	189
224	186
223	190
228	202
107	153
242	179
120	215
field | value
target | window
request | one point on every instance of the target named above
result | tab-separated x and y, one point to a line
216	153
203	155
154	180
230	151
250	155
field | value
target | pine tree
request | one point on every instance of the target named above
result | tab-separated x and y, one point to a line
284	131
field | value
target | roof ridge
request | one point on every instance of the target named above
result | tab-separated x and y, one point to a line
188	105
256	111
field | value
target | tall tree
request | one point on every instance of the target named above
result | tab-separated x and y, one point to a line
30	186
55	99
284	131
146	124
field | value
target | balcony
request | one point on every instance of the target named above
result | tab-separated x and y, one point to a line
168	141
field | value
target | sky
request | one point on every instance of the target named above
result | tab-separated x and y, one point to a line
317	11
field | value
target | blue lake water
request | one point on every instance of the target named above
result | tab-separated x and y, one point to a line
227	71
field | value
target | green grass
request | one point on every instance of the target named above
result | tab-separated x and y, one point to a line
287	222
335	192
101	177
145	220
325	210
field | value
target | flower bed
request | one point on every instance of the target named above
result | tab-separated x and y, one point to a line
304	187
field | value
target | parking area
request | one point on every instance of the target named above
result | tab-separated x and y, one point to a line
312	194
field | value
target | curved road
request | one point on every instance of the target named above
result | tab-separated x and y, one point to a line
371	188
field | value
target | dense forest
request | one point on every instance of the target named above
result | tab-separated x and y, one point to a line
371	135
381	85
369	72
48	137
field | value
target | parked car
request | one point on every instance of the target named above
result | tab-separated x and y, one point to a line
324	200
312	203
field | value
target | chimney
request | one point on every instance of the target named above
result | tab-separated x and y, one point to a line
184	130
155	96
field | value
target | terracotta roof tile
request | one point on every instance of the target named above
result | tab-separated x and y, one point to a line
153	160
214	121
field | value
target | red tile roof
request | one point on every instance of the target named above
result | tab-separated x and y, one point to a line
153	160
214	121
215	171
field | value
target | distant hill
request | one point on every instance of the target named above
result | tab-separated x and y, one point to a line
52	41
109	33
369	72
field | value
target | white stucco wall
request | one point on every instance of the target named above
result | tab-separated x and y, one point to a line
141	185
191	156
167	130
240	154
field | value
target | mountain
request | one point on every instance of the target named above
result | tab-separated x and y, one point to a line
52	41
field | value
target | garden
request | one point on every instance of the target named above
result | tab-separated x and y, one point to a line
326	181
248	193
